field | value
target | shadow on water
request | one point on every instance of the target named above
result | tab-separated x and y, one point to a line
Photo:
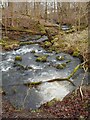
30	97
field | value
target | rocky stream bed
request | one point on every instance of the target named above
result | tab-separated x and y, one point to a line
15	74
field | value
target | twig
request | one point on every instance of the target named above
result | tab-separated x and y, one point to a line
80	89
25	97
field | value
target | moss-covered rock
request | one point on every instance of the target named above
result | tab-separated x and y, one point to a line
10	47
18	58
61	66
60	58
41	59
33	51
54	40
57	51
68	61
76	54
50	50
8	44
47	44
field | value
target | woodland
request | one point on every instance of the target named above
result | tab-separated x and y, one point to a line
45	66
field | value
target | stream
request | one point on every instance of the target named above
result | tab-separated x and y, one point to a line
21	96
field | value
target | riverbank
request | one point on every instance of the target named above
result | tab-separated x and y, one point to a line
72	107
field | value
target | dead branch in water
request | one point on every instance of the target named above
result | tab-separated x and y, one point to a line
56	79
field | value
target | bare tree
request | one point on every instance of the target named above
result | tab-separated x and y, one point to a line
46	11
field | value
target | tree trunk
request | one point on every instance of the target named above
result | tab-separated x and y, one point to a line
46	11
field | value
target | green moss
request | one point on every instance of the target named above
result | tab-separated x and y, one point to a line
18	58
54	40
68	61
70	31
6	47
40	27
41	59
49	50
9	44
26	43
33	83
51	103
61	32
60	58
2	42
61	66
36	111
52	48
57	51
38	37
76	54
33	51
47	44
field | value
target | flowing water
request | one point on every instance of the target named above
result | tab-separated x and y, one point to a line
22	96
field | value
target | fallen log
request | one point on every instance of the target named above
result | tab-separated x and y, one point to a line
25	30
